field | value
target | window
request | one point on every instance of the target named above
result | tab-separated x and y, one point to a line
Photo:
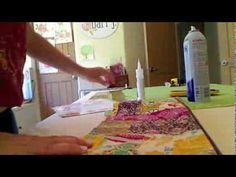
28	82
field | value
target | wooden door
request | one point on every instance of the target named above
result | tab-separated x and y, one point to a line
161	51
226	47
59	88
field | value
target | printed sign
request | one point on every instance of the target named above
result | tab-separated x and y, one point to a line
98	29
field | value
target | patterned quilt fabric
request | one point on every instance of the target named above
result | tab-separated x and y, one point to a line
163	127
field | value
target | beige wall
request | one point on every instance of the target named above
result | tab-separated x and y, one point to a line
134	49
126	43
211	35
107	51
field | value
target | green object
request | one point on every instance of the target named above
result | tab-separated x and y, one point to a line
86	50
123	149
224	99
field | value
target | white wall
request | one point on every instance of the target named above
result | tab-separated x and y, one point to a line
134	41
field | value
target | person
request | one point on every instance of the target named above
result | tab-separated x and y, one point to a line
16	40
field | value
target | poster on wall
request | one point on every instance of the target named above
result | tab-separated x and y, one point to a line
63	32
45	29
87	52
55	33
52	41
99	30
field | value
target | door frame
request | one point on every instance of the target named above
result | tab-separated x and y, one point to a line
231	33
226	48
146	53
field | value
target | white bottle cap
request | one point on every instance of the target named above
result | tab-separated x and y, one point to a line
139	71
193	28
139	65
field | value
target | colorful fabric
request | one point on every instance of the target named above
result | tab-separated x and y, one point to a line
129	108
162	127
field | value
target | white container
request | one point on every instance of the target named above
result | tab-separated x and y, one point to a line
27	86
196	66
140	82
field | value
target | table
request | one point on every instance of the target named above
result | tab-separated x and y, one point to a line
217	121
224	99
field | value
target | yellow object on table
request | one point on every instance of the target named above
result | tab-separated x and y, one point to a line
183	93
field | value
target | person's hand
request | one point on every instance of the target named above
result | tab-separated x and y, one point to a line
35	145
99	75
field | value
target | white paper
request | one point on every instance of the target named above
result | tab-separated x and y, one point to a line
82	108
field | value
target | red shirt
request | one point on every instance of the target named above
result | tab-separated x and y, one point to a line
12	59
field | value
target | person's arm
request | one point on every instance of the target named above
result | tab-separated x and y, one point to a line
40	49
39	145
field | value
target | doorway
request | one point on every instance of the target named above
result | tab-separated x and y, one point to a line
161	52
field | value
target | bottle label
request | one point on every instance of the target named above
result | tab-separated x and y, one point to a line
189	72
140	89
200	71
